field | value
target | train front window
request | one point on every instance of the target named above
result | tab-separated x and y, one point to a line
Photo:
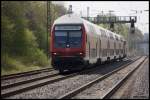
68	35
75	38
60	39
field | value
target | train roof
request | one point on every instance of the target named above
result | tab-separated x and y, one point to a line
69	19
75	19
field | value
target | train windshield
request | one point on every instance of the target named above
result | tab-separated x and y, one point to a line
74	38
60	39
68	37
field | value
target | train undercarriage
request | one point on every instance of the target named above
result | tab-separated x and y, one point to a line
75	63
68	63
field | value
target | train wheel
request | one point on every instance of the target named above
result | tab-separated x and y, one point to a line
108	60
99	61
114	59
120	59
60	68
61	71
85	65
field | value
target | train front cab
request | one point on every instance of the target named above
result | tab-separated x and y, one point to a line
68	46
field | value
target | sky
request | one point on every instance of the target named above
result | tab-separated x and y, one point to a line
120	8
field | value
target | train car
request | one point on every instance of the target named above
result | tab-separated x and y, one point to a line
75	41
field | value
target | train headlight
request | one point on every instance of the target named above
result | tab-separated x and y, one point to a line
54	53
80	53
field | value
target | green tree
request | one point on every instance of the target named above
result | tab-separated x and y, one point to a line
24	32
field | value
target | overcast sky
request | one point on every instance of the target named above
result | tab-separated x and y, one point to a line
120	8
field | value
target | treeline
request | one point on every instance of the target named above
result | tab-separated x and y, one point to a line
24	39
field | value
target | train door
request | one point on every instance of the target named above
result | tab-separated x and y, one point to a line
124	48
108	47
99	48
114	49
96	49
89	49
119	49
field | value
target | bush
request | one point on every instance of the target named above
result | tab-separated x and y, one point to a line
40	58
36	57
18	64
9	63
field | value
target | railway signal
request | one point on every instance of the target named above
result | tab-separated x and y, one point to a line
114	19
70	9
132	26
88	10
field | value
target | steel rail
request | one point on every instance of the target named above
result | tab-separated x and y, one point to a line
119	84
28	81
17	75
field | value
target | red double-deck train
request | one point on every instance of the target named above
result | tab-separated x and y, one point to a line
75	41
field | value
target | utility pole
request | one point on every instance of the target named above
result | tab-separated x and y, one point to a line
81	13
88	9
48	24
110	12
48	16
111	23
128	36
70	9
131	34
102	12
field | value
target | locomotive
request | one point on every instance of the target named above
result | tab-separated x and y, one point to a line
75	41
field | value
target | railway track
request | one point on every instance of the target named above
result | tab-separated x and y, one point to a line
23	86
20	87
115	87
28	81
107	94
17	75
14	89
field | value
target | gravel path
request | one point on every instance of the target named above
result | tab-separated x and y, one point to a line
97	90
59	88
137	88
10	81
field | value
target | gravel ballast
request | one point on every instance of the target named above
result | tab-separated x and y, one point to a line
97	90
137	86
57	89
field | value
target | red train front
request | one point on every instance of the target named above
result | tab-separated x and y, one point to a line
67	46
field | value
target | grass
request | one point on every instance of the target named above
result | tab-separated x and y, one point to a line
11	65
20	69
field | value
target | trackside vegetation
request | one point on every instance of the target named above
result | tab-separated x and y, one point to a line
24	35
